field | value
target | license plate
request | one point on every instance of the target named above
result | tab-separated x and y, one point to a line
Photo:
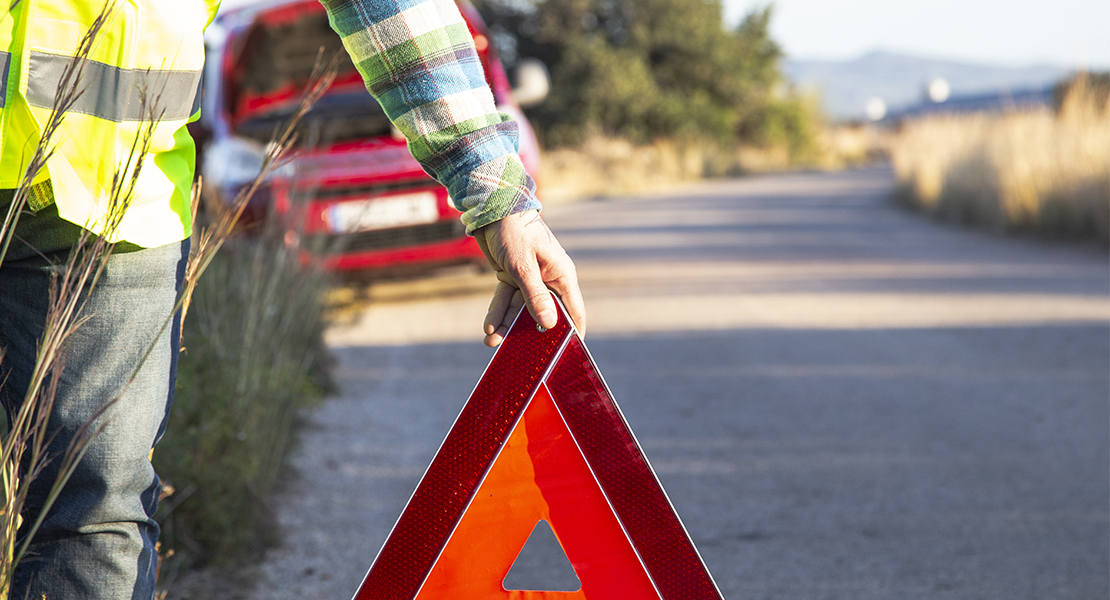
382	213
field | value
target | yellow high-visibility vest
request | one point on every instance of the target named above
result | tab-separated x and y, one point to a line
148	47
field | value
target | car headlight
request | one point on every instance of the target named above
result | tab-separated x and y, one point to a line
235	161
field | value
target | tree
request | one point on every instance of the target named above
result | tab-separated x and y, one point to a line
646	69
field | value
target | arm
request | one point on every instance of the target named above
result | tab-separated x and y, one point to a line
418	59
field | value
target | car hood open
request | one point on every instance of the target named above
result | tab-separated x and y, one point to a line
269	65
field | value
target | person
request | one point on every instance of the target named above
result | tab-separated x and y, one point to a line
98	540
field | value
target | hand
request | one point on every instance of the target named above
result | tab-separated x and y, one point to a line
528	261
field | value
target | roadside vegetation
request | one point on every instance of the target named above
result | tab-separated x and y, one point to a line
252	358
1045	170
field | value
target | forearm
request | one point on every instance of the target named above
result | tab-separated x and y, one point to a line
418	59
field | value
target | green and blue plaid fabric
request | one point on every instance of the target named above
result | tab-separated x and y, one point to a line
418	59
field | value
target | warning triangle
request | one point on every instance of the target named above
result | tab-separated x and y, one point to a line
540	439
539	475
542	564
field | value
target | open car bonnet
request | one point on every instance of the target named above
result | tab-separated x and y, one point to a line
268	64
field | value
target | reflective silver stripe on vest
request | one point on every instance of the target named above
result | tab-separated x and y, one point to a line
5	62
112	93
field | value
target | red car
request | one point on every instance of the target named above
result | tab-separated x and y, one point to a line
353	194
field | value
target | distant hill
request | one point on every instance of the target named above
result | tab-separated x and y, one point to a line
900	80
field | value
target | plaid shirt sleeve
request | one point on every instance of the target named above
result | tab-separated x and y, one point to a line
418	59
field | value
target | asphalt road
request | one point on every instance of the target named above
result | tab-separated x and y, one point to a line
842	399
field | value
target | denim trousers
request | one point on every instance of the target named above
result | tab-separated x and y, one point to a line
98	540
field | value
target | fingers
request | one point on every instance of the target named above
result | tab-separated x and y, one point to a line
571	295
528	258
498	326
507	301
498	306
536	296
540	304
528	276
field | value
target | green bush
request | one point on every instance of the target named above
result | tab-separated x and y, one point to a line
253	358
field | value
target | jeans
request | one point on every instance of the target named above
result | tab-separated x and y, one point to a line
98	540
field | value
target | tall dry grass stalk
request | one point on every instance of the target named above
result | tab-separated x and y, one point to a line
23	453
208	240
1040	170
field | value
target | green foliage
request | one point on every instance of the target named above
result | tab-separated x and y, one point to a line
253	358
793	123
651	69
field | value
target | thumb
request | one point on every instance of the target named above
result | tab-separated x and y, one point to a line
537	297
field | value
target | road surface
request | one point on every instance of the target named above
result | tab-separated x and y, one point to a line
842	399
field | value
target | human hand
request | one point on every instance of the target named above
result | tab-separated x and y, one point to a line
528	261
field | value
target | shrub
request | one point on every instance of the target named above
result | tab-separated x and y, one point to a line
253	358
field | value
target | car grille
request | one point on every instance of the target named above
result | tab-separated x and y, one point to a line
384	239
327	193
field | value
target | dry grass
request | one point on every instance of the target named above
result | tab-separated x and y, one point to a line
852	145
1038	170
253	359
606	166
23	452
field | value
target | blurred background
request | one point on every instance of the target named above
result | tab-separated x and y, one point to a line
845	264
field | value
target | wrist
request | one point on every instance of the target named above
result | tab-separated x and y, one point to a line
477	218
523	216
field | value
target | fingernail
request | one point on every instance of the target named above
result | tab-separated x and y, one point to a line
548	316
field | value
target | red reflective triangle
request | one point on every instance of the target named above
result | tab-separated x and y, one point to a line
540	438
540	474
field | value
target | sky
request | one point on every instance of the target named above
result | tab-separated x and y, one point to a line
1072	33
